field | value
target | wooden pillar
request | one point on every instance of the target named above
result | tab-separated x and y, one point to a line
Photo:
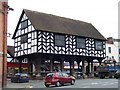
83	68
92	69
37	64
88	68
51	64
62	64
30	67
100	61
71	67
20	66
78	63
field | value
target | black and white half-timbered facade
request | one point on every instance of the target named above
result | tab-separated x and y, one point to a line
45	38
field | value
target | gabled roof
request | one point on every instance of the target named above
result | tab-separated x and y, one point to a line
10	50
56	24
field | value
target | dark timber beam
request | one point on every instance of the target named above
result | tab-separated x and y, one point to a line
20	66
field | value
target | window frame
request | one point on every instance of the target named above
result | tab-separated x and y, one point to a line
119	50
24	38
80	43
61	40
109	49
96	45
22	24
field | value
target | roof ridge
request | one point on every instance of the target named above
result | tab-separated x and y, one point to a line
56	16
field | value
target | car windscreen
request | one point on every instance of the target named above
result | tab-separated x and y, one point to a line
24	75
17	74
118	71
50	75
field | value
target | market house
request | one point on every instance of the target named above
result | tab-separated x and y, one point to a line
44	39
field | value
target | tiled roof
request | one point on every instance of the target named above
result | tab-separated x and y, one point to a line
57	24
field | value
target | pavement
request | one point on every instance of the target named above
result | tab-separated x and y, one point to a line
21	86
80	83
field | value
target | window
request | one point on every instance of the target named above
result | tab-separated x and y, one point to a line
80	43
59	40
98	45
24	39
50	75
112	57
109	49
60	74
65	75
24	24
119	51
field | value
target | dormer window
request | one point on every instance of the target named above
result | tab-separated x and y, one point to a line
59	40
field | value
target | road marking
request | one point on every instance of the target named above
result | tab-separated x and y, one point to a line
109	83
86	87
29	86
94	83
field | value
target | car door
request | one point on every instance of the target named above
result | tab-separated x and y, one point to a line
61	78
66	78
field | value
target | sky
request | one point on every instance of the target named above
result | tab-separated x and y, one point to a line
103	14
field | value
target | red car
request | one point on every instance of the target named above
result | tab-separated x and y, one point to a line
58	78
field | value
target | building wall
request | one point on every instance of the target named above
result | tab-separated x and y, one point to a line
114	50
36	41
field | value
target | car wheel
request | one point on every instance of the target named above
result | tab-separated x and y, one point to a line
47	85
28	81
58	84
72	82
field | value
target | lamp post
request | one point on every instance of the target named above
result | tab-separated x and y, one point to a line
114	61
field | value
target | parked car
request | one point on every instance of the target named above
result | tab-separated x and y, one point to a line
20	77
117	74
78	75
58	79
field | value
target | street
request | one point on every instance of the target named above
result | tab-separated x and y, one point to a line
81	83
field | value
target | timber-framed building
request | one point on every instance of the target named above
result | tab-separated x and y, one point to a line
42	38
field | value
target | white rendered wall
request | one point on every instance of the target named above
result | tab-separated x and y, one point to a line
114	51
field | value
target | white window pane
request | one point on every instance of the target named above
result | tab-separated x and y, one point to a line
29	23
29	40
29	51
29	28
33	28
29	46
26	30
29	35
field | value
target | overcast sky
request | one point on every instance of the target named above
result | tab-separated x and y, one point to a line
103	14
